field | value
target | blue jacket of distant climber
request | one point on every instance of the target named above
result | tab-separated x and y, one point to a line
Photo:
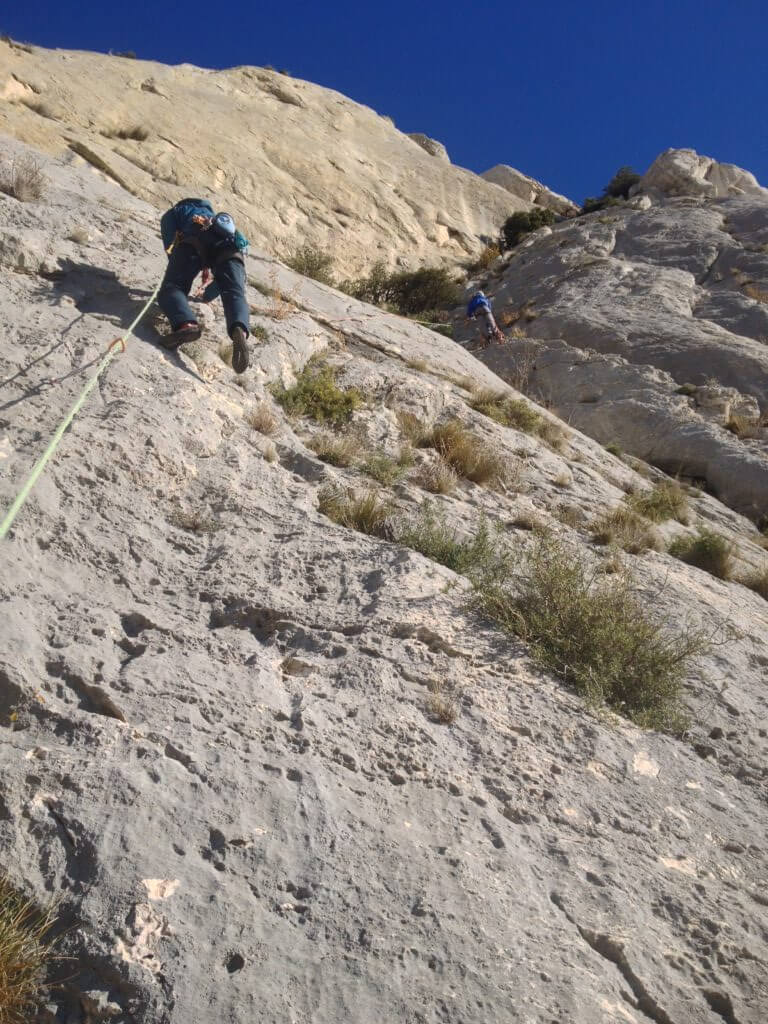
477	304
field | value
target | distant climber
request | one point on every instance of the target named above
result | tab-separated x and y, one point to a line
204	241
480	306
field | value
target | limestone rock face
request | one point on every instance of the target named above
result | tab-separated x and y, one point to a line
219	750
431	146
528	189
679	290
682	172
293	162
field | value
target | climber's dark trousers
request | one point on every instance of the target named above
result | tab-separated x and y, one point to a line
184	264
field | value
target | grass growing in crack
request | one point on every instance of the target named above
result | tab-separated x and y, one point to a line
667	500
262	418
442	706
25	952
706	550
519	414
386	470
413	429
23	179
316	394
596	633
469	456
757	581
438	477
367	513
193	522
627	530
335	450
429	534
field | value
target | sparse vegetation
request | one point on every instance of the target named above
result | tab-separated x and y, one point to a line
615	193
484	261
23	178
443	707
522	223
614	449
758	581
25	952
595	633
311	262
706	550
367	513
468	455
474	557
263	418
627	530
316	394
667	500
743	426
193	522
438	477
386	470
753	291
336	450
413	429
407	292
418	364
519	414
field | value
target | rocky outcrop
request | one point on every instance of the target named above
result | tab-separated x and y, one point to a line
677	287
431	146
529	190
294	162
682	172
219	746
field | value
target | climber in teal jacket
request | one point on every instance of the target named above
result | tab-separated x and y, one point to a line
197	239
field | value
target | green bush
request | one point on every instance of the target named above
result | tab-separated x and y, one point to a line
311	262
615	193
316	394
620	184
707	550
520	224
386	470
475	557
595	632
407	291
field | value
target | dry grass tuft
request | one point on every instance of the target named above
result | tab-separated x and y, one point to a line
443	707
757	581
386	470
744	426
366	513
667	500
413	429
469	456
627	530
706	550
23	179
25	952
438	477
263	418
336	450
79	235
418	364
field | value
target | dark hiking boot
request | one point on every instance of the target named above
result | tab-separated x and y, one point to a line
189	331
240	358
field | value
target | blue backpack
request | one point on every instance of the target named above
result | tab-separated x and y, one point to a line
179	218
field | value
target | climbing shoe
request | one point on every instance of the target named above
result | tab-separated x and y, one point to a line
189	331
239	349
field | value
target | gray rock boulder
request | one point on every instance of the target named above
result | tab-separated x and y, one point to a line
682	172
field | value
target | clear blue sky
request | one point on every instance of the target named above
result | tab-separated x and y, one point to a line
566	92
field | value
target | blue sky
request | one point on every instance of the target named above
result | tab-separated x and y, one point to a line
566	92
